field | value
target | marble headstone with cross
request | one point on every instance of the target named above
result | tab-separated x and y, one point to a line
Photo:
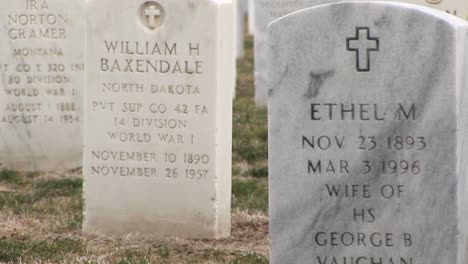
367	120
158	111
268	10
41	83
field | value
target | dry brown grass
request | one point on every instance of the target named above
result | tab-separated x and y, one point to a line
47	230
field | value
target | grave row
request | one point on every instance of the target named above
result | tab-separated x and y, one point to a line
366	118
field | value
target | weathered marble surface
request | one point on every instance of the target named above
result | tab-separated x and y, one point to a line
41	79
374	109
157	155
268	10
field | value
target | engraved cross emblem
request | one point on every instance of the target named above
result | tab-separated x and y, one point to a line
152	13
362	44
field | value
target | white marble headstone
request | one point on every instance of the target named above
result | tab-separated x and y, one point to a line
157	128
41	79
367	120
251	19
268	10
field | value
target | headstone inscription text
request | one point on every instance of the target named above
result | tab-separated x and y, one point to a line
41	78
267	11
366	120
158	109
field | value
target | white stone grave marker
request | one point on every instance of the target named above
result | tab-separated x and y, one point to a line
158	111
367	120
41	83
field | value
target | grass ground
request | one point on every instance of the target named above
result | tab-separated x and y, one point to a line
41	214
